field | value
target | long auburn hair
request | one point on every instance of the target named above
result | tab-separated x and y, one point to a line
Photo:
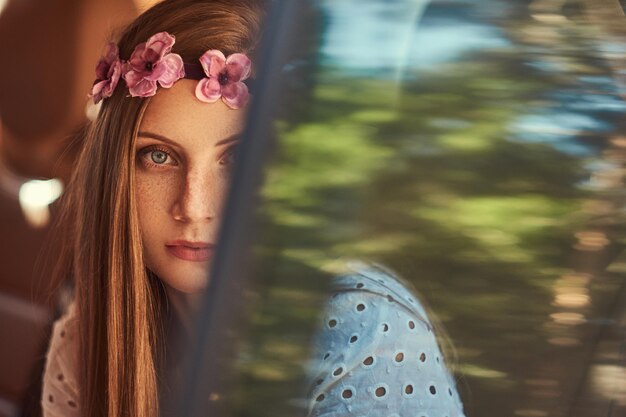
120	303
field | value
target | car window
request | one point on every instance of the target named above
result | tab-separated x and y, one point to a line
476	150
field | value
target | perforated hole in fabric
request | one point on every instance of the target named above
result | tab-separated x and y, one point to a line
368	361
408	389
354	338
432	390
423	357
399	357
385	327
347	393
338	371
360	307
320	398
380	392
332	323
326	355
359	285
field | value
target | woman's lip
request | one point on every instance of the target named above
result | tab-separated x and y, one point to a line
189	244
190	251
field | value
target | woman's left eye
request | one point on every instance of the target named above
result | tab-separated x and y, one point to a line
155	156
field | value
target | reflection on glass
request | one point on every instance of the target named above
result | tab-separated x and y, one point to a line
483	162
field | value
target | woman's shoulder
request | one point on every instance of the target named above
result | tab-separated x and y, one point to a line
377	352
60	380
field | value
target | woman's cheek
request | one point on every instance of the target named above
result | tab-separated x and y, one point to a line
222	188
155	194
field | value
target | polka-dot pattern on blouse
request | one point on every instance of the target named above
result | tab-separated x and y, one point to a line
60	388
376	353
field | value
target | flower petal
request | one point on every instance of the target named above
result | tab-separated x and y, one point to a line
108	89
115	71
161	43
213	62
114	76
96	91
238	67
150	56
174	70
112	53
125	65
235	95
132	78
208	90
157	71
102	69
144	88
136	59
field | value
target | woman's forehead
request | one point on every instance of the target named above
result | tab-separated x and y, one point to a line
177	114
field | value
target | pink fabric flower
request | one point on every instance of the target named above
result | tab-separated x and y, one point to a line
152	61
108	72
224	78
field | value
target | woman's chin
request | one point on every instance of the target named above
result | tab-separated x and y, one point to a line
189	280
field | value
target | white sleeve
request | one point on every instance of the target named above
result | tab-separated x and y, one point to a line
60	396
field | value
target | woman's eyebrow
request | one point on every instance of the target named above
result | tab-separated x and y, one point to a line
158	137
224	141
229	139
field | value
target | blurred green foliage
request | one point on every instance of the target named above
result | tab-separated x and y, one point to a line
429	178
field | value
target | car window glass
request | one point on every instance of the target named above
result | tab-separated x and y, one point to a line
476	150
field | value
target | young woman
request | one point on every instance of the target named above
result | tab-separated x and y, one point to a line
142	215
144	205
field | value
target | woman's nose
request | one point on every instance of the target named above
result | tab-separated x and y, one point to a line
199	199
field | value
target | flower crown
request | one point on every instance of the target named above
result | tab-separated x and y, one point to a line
153	62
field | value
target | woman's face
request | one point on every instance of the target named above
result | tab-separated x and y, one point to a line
184	156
